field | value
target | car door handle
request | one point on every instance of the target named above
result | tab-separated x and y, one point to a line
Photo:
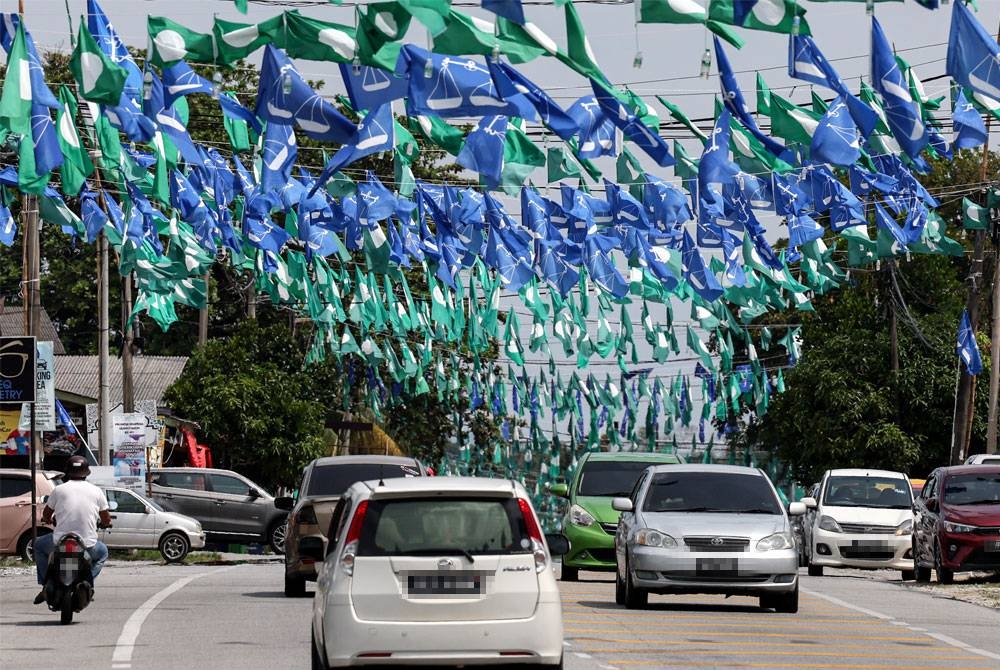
170	496
220	502
114	516
22	504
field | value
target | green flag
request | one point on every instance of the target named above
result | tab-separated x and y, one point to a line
561	165
237	130
791	122
763	96
438	132
77	165
381	27
234	41
312	39
520	158
98	78
579	56
680	116
776	16
671	11
431	13
975	216
172	42
15	101
469	35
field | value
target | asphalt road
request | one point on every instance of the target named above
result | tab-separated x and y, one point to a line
161	617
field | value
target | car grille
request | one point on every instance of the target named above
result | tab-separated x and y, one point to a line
867	553
717	543
867	529
986	531
610	528
602	555
687	576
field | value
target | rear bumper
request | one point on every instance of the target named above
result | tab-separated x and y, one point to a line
677	571
965	551
350	641
844	550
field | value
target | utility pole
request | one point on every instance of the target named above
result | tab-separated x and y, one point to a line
991	431
128	393
203	313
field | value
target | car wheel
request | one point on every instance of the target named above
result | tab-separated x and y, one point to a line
908	575
619	588
784	603
569	574
26	546
815	570
317	659
944	575
276	537
635	598
921	574
295	587
174	547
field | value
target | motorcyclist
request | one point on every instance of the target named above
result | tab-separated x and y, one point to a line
74	507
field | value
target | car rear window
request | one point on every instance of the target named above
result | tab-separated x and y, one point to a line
439	525
972	489
719	492
334	479
861	491
609	478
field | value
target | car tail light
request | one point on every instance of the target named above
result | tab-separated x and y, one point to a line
351	541
535	533
308	515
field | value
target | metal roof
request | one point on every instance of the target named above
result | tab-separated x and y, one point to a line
12	323
151	376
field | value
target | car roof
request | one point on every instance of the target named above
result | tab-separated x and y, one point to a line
651	456
49	474
194	469
401	486
866	472
362	458
984	469
708	467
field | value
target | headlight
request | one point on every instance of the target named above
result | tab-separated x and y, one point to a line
776	541
830	524
905	528
580	517
648	537
952	527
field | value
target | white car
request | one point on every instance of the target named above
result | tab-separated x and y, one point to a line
862	519
983	459
139	523
437	571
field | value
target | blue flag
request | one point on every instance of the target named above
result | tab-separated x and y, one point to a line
8	227
374	134
94	218
967	349
733	98
715	169
970	130
973	54
807	62
483	149
632	128
280	151
597	133
697	274
369	87
180	80
902	112
835	139
509	82
509	9
113	47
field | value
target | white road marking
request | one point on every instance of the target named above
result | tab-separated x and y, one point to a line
885	617
580	654
122	657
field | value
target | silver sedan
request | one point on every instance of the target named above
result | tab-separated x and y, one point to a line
706	529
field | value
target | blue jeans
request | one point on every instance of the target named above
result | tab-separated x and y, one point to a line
44	546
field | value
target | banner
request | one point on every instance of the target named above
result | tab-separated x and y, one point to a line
128	448
45	391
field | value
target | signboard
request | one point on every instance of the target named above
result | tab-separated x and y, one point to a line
17	369
12	441
128	449
45	391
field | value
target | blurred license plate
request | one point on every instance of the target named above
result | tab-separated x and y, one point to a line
868	544
443	584
716	567
993	546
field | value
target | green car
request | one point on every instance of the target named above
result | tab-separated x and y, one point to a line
590	523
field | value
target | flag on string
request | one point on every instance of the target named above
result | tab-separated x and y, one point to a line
369	87
172	42
98	77
578	55
671	11
733	98
111	44
634	130
509	9
975	216
180	80
312	39
902	112
597	132
466	35
970	130
776	16
483	151
973	54
234	41
77	166
835	139
967	348
510	82
381	28
375	133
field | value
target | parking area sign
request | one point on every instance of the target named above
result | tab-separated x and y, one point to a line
17	369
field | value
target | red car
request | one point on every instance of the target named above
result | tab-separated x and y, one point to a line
956	524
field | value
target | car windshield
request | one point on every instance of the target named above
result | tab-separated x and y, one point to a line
609	478
334	479
718	492
973	489
450	525
864	491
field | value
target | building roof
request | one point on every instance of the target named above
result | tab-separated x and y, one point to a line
12	323
77	375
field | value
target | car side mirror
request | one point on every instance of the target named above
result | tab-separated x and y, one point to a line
253	493
932	504
43	499
113	505
311	548
796	508
147	510
621	504
561	490
809	502
558	544
285	503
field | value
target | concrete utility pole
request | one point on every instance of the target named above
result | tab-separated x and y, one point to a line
203	313
103	359
991	431
128	393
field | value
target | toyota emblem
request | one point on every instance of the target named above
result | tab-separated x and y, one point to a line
446	564
717	541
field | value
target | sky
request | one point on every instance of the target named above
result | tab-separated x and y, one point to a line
671	60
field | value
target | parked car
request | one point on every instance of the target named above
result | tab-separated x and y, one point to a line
230	507
590	522
862	519
957	522
324	480
139	523
983	459
15	508
442	571
706	529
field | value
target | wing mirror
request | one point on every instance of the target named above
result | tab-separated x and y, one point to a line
285	503
796	508
809	502
621	504
931	504
561	490
253	493
311	548
558	544
113	505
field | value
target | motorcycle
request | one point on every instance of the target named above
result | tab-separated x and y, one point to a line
69	586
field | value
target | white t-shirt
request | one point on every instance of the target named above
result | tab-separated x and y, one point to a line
76	506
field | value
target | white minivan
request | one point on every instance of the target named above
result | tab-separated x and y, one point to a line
862	519
441	571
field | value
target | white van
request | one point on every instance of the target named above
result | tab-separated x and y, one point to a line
983	459
863	519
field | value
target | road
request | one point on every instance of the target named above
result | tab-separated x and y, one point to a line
157	617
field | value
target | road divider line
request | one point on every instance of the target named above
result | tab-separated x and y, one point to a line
122	656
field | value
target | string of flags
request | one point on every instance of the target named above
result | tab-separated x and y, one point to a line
342	247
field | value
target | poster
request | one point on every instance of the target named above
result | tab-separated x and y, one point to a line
12	441
45	391
128	449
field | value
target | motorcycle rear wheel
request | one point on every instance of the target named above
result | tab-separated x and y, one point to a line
66	608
